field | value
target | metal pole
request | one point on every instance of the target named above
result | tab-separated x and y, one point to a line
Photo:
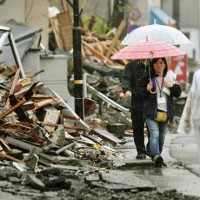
16	55
176	12
78	82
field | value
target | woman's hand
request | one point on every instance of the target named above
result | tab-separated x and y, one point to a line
149	86
128	94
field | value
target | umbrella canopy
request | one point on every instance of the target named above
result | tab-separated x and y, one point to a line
156	32
147	50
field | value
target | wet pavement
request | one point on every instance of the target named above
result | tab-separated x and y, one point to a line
184	149
182	172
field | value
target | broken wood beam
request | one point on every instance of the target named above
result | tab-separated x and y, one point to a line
116	37
64	6
14	83
44	103
28	106
4	155
4	114
27	96
4	144
25	82
19	111
42	96
97	54
56	32
73	118
24	90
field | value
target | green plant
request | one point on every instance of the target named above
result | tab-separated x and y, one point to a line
100	25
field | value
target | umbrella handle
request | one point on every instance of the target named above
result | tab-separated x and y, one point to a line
152	92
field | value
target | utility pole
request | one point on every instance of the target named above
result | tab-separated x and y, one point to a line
176	12
77	56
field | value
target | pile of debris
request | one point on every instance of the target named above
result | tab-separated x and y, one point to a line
41	134
38	127
96	48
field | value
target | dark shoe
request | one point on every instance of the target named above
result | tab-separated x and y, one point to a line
158	160
148	154
164	164
141	156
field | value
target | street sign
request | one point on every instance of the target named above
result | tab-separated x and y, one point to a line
179	66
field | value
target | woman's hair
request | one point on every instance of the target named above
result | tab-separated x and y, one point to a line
154	60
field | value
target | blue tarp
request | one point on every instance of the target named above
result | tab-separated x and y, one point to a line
158	15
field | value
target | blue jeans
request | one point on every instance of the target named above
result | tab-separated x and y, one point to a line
157	132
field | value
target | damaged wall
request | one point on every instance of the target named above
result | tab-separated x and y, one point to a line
27	12
15	11
37	15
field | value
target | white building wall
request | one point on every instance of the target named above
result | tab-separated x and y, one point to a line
27	12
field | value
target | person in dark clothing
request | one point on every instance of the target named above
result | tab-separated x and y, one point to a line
134	87
159	107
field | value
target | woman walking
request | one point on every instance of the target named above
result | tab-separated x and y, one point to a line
159	107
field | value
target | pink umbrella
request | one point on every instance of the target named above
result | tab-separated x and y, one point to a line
147	50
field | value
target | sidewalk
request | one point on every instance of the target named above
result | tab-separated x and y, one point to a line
129	153
182	172
184	149
178	148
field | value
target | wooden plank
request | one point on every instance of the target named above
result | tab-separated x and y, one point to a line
25	82
42	96
101	44
68	116
28	106
19	111
25	89
4	114
116	37
64	6
6	156
14	83
44	103
66	28
5	144
97	54
56	31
